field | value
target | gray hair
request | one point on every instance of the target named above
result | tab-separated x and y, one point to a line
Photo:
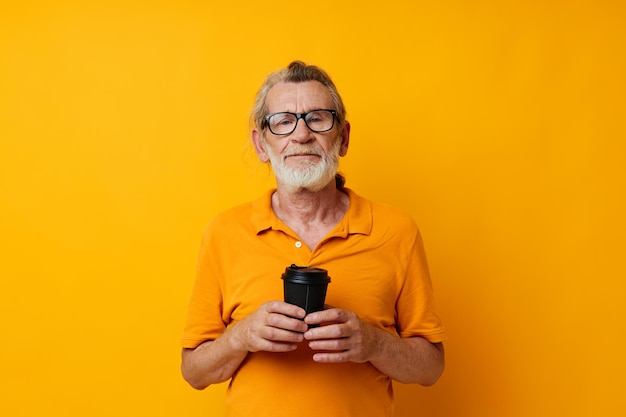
296	72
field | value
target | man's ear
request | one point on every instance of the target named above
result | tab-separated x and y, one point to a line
259	147
345	139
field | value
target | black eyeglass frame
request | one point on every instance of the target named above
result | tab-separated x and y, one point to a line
298	117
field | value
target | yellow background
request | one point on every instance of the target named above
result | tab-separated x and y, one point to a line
499	125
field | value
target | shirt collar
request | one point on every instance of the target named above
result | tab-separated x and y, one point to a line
358	219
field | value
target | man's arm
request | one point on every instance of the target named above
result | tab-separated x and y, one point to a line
273	327
407	360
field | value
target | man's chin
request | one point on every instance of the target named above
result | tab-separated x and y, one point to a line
310	186
304	175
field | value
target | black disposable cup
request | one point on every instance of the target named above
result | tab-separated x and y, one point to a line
305	287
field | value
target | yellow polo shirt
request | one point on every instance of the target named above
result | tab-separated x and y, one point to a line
376	261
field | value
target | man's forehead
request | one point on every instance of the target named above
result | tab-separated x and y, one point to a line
293	95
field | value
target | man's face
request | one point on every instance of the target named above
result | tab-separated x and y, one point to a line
302	159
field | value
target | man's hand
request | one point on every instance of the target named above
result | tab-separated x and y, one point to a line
275	326
344	337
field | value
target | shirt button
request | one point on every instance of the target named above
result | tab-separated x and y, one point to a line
298	244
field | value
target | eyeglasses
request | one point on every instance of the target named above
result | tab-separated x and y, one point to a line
284	123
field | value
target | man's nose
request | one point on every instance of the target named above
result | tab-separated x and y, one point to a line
302	133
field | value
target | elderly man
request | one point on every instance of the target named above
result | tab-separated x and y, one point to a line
380	323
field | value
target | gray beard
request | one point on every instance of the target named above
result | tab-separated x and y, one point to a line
311	176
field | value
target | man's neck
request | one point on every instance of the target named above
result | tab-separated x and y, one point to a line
308	211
